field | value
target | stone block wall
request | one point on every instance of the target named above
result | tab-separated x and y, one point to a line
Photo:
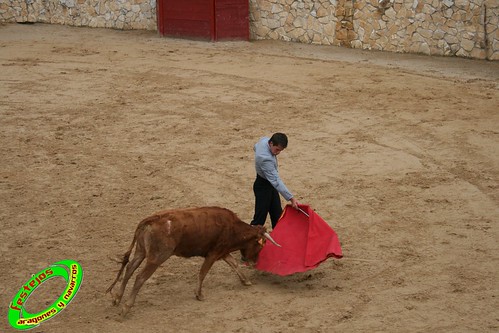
464	28
294	20
117	14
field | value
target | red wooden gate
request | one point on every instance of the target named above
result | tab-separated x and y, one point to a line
204	19
231	19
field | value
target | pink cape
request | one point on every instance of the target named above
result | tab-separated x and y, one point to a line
306	242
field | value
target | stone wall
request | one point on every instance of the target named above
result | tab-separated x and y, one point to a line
117	14
464	28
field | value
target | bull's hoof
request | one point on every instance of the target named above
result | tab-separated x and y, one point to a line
199	297
247	283
124	310
116	300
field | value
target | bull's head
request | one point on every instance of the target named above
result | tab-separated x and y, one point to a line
256	244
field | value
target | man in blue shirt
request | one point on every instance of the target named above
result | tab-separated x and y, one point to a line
268	185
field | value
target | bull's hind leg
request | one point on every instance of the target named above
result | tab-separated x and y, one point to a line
154	260
142	277
229	259
130	268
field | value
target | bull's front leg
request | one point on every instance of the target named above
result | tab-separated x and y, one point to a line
229	259
208	262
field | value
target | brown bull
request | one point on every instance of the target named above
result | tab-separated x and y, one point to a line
209	232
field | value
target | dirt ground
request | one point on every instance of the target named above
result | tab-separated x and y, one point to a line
398	153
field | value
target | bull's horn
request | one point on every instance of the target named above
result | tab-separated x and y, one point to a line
270	239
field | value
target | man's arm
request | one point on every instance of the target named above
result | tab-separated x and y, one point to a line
272	175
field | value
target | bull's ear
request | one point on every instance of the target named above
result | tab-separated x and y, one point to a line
261	241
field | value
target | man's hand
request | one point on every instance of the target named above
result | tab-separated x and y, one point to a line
294	203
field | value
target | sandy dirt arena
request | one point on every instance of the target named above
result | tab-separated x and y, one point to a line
398	153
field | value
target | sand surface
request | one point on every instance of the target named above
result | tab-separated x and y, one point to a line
398	153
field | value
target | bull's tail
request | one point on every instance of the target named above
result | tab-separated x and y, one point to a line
124	262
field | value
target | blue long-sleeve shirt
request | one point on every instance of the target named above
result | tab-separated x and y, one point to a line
266	167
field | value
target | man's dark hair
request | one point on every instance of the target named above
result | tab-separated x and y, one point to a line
279	139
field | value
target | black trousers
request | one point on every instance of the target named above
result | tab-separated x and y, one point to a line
267	201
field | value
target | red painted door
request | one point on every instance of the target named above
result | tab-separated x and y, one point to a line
186	18
204	19
232	19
